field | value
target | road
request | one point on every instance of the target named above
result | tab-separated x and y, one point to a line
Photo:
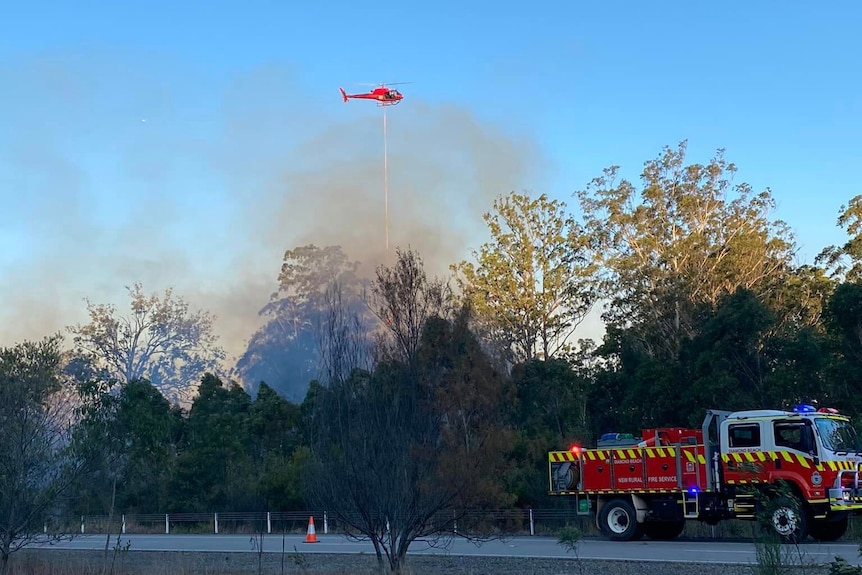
686	551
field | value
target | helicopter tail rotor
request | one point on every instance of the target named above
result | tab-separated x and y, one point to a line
343	94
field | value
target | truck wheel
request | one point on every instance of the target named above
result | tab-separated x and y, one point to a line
828	530
618	521
788	519
663	530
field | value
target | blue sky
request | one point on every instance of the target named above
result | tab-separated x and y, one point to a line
241	104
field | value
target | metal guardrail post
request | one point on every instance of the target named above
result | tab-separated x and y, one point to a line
167	525
82	524
124	524
215	522
325	524
532	527
268	522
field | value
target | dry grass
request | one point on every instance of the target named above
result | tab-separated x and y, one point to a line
77	562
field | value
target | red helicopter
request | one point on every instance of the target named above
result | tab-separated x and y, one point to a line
383	95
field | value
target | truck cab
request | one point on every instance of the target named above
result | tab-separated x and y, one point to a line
816	451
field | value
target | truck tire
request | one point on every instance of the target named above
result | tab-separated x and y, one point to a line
618	521
663	530
787	518
828	530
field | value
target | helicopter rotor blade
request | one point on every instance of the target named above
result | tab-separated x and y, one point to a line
382	83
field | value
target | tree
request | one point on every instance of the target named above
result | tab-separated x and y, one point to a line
835	257
214	468
285	352
403	450
532	285
687	237
403	298
343	336
39	462
162	341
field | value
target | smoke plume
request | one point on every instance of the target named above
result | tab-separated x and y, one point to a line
118	170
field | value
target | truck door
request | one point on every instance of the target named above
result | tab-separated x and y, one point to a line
794	453
744	461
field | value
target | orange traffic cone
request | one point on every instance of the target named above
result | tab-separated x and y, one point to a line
311	537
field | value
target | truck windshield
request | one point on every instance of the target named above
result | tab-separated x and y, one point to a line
838	435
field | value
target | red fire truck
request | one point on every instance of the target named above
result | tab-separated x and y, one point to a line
651	485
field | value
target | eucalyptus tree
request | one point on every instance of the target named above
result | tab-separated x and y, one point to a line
533	283
687	236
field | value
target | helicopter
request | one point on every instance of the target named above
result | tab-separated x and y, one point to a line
382	94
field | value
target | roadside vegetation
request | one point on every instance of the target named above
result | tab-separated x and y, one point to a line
405	404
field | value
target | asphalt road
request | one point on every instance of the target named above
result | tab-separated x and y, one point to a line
686	551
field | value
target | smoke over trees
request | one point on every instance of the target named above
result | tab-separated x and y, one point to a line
162	340
379	392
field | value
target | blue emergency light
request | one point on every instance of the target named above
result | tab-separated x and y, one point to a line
804	408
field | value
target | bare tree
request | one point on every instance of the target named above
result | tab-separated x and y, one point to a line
403	297
162	341
404	450
343	337
39	461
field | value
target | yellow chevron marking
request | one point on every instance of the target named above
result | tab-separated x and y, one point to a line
701	459
661	452
632	453
761	456
803	461
786	457
688	455
620	454
749	456
737	457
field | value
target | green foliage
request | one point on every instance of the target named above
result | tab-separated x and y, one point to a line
835	257
774	558
532	285
569	537
686	238
550	410
43	412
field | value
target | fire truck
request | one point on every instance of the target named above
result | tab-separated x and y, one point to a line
798	469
